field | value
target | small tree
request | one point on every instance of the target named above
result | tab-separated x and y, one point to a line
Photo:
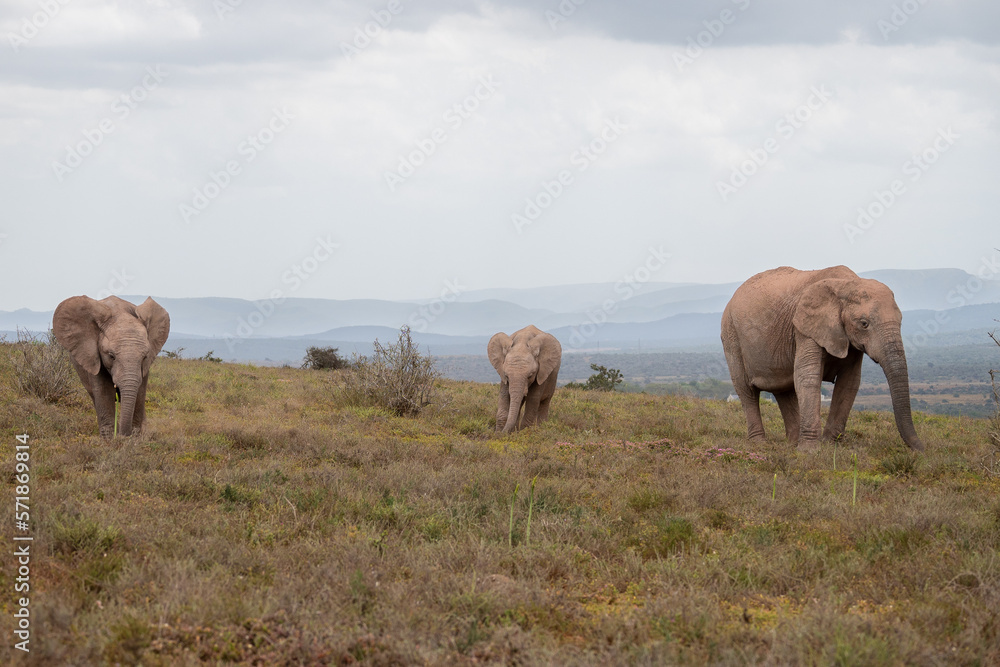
605	379
995	420
319	358
42	367
398	377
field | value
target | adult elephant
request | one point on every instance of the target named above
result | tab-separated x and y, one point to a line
112	344
786	331
528	364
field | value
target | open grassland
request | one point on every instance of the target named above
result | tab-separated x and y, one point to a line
263	520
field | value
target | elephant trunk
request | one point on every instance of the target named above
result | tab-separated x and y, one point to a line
514	412
128	390
893	364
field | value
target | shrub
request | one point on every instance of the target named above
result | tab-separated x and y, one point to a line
396	377
995	419
209	356
604	379
319	358
42	367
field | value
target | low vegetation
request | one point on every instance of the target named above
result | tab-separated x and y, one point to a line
397	377
323	358
604	379
42	367
267	517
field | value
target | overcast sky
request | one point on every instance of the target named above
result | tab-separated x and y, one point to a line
396	148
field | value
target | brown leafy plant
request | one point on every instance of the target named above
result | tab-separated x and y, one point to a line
42	367
396	377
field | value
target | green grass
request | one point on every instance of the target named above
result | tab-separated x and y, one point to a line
261	519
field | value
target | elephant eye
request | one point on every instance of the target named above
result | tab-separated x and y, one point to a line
863	324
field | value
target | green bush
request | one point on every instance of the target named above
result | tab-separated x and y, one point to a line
605	379
398	377
319	358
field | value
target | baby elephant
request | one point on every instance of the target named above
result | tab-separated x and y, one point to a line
112	345
528	364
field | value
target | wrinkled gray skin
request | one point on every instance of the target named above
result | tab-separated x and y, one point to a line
112	344
786	331
528	364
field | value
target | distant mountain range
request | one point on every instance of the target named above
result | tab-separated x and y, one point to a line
941	307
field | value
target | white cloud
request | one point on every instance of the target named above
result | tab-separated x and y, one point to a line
553	93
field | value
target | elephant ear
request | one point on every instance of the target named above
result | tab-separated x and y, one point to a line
497	350
818	316
77	324
157	323
548	351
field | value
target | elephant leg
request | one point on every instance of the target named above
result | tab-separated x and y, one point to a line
845	389
788	403
749	395
543	408
750	400
808	379
103	392
503	406
139	413
531	406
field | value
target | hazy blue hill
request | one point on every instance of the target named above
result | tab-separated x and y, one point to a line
305	317
936	289
933	323
630	311
389	335
25	319
647	315
676	331
558	298
485	318
684	294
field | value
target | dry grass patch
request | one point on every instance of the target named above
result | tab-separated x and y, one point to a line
264	519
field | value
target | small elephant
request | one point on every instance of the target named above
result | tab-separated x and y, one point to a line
112	344
786	331
528	364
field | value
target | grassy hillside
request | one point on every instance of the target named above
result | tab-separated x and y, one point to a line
262	520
